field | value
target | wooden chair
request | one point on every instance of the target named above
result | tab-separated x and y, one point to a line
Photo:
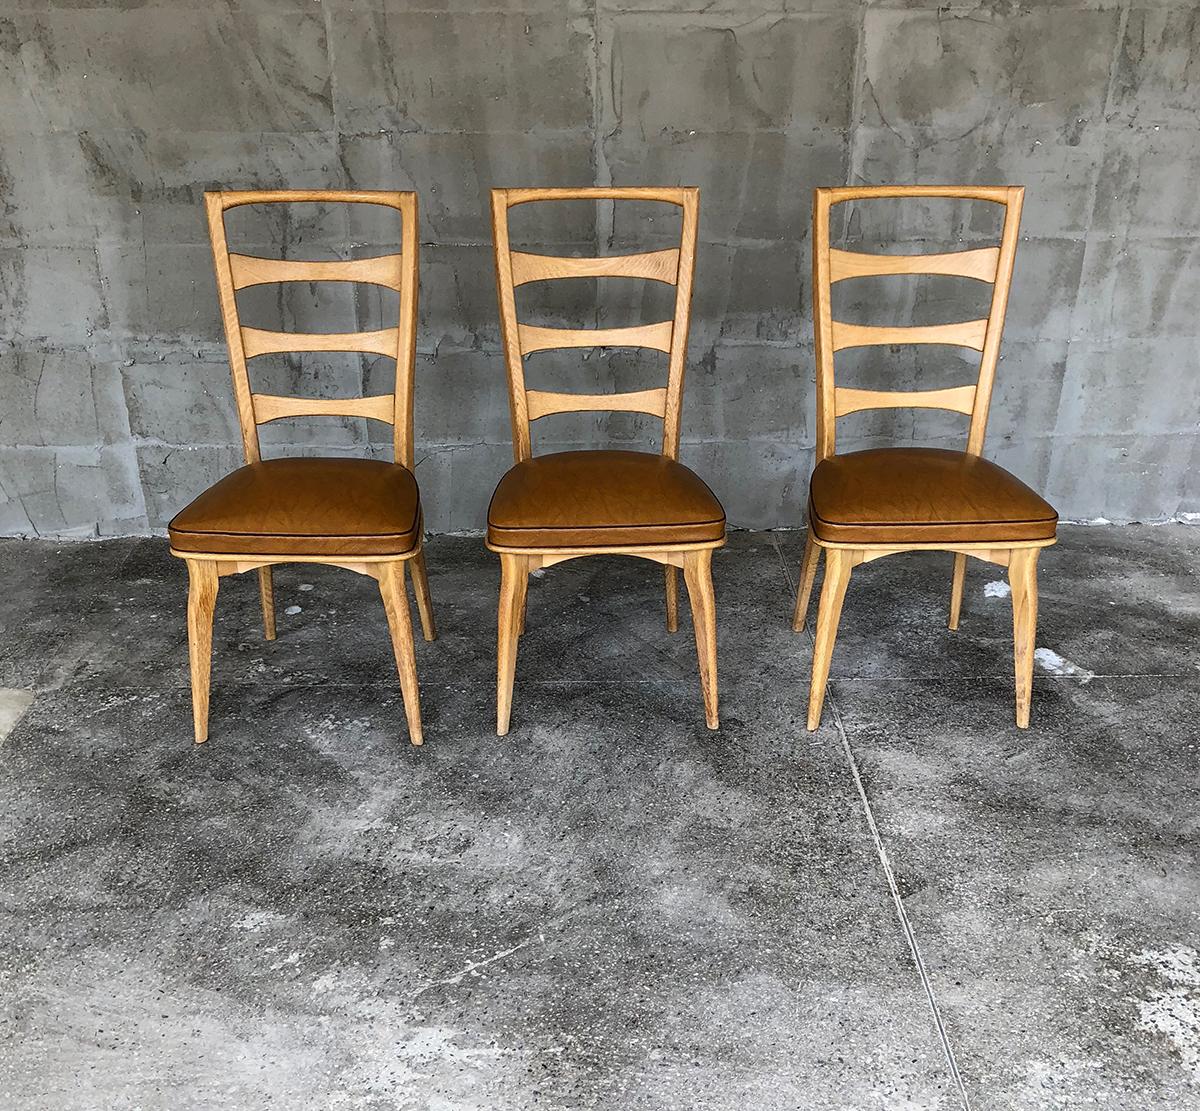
869	504
360	514
569	504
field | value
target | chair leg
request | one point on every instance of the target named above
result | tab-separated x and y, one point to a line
202	602
522	602
395	604
697	576
838	565
808	575
514	580
266	591
424	599
1022	577
956	588
672	580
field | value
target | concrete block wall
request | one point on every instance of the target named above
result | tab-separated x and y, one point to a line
115	115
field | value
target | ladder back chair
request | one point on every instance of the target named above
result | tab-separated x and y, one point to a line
564	505
360	514
864	505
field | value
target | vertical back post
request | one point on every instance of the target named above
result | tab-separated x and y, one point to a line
406	338
995	328
690	203
214	207
823	328
517	404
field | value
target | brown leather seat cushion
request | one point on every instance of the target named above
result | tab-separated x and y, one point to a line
913	495
304	507
591	499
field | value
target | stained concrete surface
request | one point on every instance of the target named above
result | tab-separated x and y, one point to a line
115	402
612	907
13	703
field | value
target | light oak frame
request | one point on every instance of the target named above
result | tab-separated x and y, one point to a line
993	265
236	271
676	267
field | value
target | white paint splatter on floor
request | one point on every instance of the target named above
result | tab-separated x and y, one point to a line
1173	1010
1051	661
997	589
292	610
260	919
13	704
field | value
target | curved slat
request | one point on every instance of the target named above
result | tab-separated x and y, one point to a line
270	406
967	333
957	399
543	402
255	341
234	198
979	264
841	193
251	270
656	266
599	193
657	336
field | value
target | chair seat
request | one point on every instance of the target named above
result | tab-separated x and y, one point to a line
324	507
594	499
923	495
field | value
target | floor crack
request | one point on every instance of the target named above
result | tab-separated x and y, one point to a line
889	875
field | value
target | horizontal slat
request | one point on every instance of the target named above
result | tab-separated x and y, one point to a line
840	193
657	336
251	270
542	403
269	407
958	399
257	342
232	198
599	193
979	264
967	333
657	266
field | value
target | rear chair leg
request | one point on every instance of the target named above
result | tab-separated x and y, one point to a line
697	576
424	599
395	604
956	588
808	575
202	602
1022	577
672	580
266	591
838	564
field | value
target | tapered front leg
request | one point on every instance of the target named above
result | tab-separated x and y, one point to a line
838	564
1022	578
672	585
203	581
956	588
697	576
266	591
514	579
395	604
808	575
424	598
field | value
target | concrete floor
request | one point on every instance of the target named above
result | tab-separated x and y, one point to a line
612	907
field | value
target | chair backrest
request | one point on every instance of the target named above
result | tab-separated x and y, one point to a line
395	271
674	266
986	264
